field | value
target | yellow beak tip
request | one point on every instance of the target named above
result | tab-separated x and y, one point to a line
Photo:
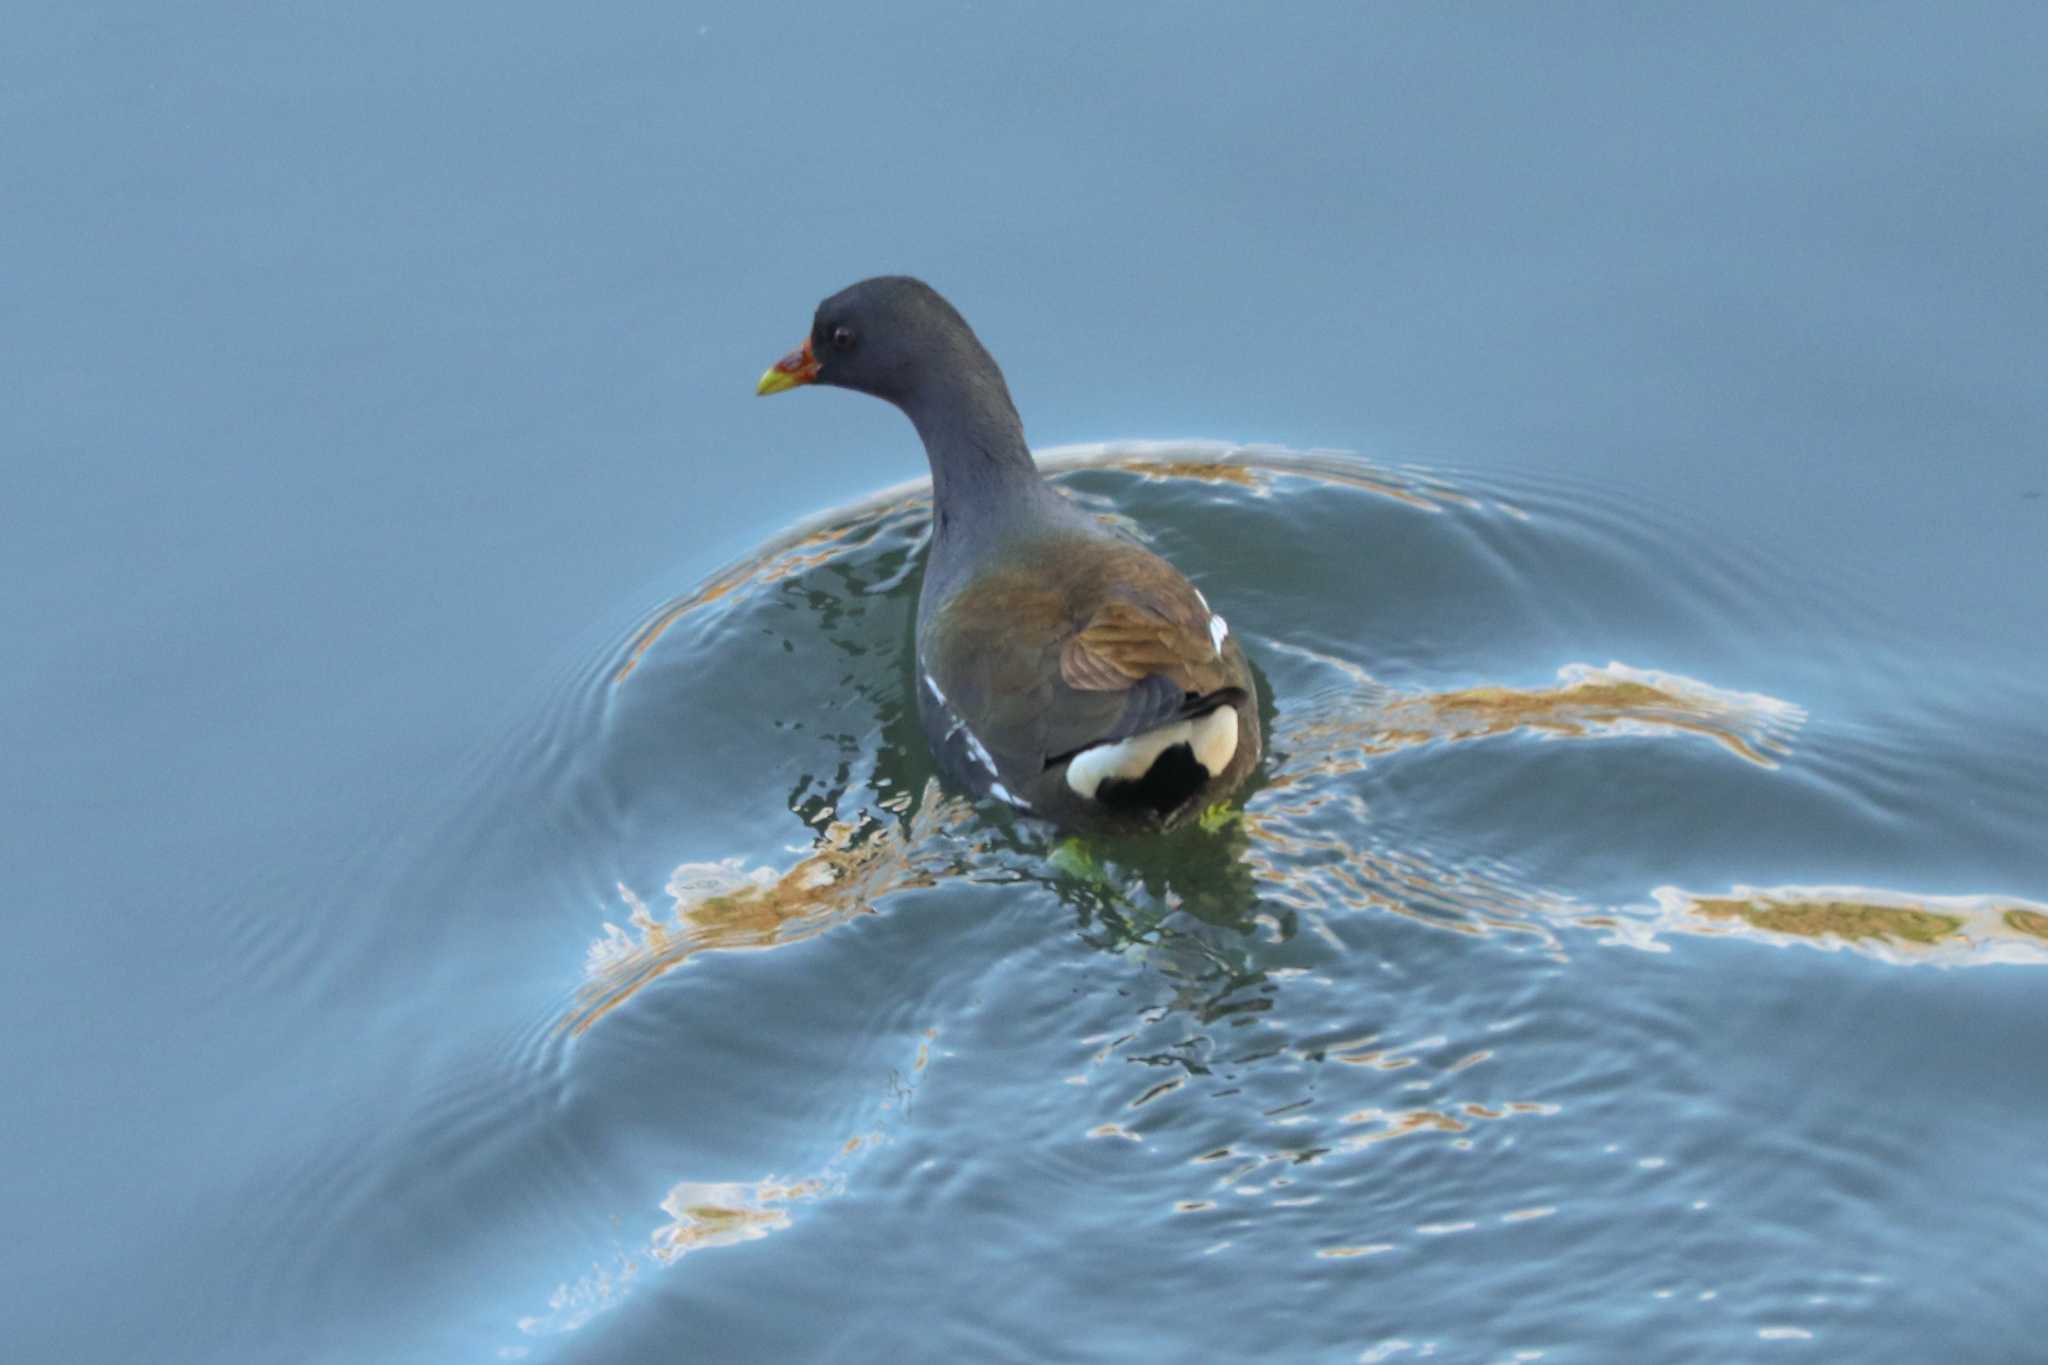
775	380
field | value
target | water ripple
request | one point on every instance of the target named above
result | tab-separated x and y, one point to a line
1426	1018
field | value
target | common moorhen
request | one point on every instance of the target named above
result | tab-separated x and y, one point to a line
1062	667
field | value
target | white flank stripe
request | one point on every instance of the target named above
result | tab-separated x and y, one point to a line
976	750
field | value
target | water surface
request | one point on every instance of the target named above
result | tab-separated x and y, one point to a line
1535	971
475	885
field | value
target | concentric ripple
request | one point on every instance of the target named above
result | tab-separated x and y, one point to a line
1421	1023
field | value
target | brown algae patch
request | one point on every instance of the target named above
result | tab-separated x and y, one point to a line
1341	732
2028	922
706	1215
1256	468
1897	926
1509	704
1592	703
1852	921
717	906
1204	471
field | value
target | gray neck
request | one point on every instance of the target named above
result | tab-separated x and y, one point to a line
985	486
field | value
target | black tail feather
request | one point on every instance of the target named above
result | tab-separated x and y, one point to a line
1166	786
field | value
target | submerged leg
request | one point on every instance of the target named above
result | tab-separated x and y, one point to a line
1075	857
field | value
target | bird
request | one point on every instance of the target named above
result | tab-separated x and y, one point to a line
1062	667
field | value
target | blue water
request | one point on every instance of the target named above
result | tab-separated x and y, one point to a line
478	894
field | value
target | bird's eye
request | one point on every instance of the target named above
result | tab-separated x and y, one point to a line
842	338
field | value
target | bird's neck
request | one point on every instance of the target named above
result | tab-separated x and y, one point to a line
983	477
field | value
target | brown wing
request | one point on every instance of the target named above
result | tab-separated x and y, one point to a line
1129	639
1141	620
1074	645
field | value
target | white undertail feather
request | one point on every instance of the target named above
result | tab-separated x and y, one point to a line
1213	738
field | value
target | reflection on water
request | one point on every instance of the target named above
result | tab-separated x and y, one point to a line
1214	1032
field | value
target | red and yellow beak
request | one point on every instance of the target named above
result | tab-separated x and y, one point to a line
798	367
